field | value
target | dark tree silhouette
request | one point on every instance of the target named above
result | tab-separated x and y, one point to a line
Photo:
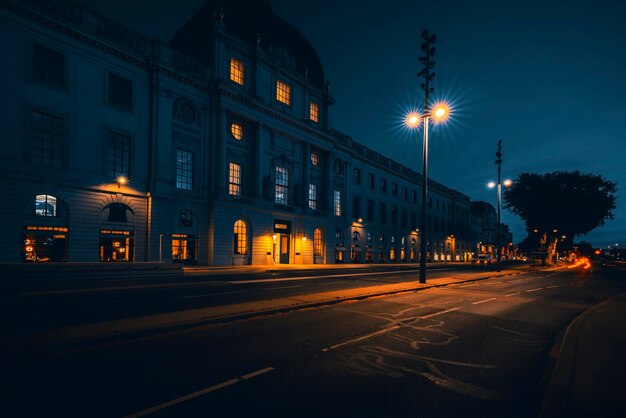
570	202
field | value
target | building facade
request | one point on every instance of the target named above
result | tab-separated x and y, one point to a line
213	149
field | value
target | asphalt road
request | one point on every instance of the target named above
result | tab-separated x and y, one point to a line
54	303
471	350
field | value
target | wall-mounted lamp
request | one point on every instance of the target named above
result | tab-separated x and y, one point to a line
121	180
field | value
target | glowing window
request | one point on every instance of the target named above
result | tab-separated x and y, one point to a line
240	238
317	242
234	179
237	71
313	196
283	92
45	205
337	203
236	129
314	112
282	186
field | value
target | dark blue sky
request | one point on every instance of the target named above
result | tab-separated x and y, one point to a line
548	78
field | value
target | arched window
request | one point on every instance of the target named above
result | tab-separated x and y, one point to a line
45	205
317	242
240	238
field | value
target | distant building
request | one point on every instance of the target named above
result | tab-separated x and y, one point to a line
213	149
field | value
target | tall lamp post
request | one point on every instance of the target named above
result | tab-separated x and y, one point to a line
499	184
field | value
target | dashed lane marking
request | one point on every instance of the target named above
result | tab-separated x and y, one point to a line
512	294
534	290
440	312
552	287
361	338
483	301
199	393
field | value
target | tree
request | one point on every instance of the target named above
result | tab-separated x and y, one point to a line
561	203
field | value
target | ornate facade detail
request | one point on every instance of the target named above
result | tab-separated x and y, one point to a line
190	66
184	139
122	36
186	112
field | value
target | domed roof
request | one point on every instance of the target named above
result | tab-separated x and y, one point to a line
247	20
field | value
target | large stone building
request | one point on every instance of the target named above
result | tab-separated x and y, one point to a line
214	149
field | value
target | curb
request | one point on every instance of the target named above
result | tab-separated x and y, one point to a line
557	399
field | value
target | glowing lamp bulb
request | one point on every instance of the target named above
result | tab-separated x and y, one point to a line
412	120
121	180
491	184
507	183
441	112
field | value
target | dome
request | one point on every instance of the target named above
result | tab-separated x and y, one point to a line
245	19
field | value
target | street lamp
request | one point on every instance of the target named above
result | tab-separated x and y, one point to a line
491	185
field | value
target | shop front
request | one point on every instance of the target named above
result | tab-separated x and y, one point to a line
44	244
117	245
184	249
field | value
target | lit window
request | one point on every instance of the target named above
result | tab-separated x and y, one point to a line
317	242
236	129
184	169
315	159
282	185
118	155
240	238
237	71
337	203
46	139
314	112
45	205
313	196
234	179
283	92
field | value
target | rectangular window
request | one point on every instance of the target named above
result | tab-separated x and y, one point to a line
383	185
394	189
184	169
370	210
120	92
337	203
282	186
234	179
46	139
394	215
237	71
313	196
370	181
357	176
403	217
356	207
283	92
404	193
48	66
118	155
413	196
383	213
314	112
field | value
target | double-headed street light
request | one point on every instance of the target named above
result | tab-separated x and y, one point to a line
491	185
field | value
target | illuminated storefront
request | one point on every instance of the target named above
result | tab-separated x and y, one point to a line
44	243
184	249
117	245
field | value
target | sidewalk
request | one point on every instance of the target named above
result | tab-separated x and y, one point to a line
588	378
95	333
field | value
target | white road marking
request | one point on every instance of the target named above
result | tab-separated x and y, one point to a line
552	287
326	284
512	294
361	338
483	301
440	313
534	290
332	276
210	294
199	393
283	287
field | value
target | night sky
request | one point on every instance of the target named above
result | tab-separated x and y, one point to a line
548	78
